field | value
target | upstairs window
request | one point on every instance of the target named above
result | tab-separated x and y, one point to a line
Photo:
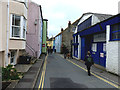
77	39
115	32
15	26
18	27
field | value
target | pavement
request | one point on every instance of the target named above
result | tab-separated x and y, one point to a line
31	72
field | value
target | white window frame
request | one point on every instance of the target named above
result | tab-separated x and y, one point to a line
13	57
22	19
94	47
15	26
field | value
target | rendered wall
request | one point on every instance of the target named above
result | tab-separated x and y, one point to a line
58	42
112	58
33	37
0	26
14	44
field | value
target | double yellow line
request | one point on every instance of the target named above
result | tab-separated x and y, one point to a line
116	86
41	84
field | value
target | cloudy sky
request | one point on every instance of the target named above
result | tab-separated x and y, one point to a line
59	12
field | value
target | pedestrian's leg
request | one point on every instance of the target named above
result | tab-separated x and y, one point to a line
88	69
64	56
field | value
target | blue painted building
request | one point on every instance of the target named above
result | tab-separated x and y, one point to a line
58	42
101	39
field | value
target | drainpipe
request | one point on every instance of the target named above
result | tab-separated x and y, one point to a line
7	35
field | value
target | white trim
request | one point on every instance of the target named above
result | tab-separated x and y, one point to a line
79	47
21	30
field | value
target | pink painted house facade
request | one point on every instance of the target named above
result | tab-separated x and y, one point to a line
34	32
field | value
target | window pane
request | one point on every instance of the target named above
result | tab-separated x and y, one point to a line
23	33
16	32
13	20
116	35
17	20
115	27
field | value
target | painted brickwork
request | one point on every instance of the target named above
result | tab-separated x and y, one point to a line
112	48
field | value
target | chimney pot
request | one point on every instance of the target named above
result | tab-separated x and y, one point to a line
61	29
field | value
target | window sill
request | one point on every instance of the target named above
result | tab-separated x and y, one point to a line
13	38
114	40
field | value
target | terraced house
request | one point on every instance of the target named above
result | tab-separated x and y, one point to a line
34	32
13	27
101	39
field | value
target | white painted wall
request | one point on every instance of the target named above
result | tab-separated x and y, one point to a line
118	58
112	57
58	42
79	47
95	20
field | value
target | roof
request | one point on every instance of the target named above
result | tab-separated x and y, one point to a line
112	20
102	17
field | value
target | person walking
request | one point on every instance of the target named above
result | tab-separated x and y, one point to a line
89	62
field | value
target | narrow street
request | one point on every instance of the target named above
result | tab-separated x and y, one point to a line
63	73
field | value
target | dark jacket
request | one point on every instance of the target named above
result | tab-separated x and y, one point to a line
89	60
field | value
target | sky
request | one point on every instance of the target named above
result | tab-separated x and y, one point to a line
59	12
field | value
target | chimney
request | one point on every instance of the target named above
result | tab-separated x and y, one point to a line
69	23
61	29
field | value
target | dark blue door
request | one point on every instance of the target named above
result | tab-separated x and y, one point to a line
82	48
103	54
99	53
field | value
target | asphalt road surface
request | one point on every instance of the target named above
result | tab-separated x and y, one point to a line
61	73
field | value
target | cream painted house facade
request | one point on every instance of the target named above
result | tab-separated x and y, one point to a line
13	27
